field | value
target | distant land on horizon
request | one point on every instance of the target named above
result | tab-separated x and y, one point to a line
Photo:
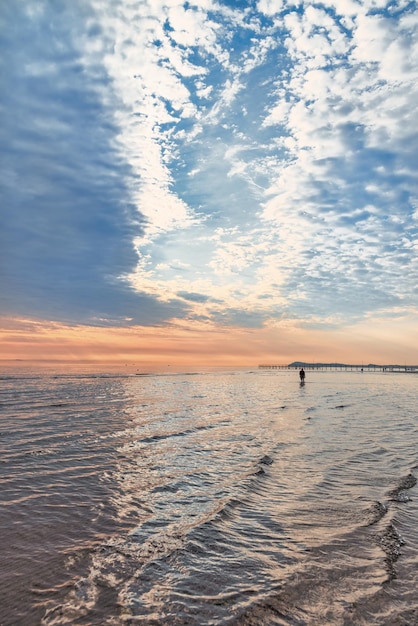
388	365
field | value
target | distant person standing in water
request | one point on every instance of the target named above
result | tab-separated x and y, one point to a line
302	375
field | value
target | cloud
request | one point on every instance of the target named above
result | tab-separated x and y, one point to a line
68	219
314	147
201	161
346	157
270	7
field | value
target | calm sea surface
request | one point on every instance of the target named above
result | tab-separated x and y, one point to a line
208	498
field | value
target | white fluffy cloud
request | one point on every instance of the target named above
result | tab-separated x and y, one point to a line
269	151
315	160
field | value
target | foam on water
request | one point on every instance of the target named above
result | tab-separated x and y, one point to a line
217	498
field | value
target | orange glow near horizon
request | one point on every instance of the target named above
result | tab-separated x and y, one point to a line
180	344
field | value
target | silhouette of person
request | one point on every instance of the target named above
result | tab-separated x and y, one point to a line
302	375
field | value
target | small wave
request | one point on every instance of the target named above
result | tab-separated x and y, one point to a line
378	509
41	452
391	542
398	494
155	438
376	512
168	488
226	506
266	460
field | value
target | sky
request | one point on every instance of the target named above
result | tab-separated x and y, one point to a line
203	181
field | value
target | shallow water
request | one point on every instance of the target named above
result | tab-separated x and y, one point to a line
222	497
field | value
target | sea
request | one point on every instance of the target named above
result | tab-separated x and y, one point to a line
207	497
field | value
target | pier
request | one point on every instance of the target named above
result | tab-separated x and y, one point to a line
337	367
